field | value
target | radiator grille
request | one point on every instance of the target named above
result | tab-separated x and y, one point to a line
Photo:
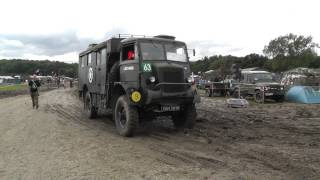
175	75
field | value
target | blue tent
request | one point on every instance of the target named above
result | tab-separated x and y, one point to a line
304	94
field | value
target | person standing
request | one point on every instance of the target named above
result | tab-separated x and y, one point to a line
34	84
71	83
58	82
64	83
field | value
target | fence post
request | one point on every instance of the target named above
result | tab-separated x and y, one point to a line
263	94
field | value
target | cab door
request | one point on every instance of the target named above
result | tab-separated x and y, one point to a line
129	64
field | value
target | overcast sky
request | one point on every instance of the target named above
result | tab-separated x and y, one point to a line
60	29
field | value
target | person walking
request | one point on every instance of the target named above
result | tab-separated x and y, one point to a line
34	84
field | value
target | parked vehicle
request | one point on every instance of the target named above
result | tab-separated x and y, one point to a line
259	84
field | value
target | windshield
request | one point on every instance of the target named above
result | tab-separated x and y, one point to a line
262	77
152	51
176	52
163	51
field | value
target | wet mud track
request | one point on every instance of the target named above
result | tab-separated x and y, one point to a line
264	141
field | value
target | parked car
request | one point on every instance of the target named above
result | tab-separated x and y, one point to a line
259	84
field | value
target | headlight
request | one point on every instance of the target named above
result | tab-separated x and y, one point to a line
152	79
281	88
189	80
266	88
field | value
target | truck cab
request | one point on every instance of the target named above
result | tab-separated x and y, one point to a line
158	67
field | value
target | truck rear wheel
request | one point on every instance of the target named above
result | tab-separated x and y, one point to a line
89	109
185	118
125	116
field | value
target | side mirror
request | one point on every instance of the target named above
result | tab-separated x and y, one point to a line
194	52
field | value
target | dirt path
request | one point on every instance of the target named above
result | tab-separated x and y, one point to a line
271	141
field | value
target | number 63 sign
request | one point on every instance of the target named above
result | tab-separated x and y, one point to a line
146	67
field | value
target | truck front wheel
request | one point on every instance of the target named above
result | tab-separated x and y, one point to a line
125	116
185	118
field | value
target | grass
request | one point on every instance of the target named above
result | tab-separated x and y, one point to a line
13	87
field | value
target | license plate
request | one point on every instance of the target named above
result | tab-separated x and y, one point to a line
170	108
268	94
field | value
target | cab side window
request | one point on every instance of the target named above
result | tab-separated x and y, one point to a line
89	59
93	59
83	61
103	56
80	62
98	58
128	52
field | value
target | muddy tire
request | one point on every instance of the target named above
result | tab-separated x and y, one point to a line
126	117
89	110
280	99
186	118
258	97
208	93
235	93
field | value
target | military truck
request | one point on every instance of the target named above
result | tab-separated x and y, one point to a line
138	78
259	84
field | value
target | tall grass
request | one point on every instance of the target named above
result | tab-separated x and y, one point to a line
13	87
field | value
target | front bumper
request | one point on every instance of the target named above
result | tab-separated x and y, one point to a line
271	93
189	95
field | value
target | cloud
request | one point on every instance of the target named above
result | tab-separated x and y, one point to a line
210	48
65	46
48	46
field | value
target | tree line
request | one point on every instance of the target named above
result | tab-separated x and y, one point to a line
281	54
28	67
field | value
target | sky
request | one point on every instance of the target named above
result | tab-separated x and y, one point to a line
60	29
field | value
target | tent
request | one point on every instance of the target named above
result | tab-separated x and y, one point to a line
304	94
6	80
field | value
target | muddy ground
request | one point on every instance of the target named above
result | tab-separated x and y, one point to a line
269	141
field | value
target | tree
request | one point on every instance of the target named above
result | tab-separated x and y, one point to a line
290	45
253	60
27	67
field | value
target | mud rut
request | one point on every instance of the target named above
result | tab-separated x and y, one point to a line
270	141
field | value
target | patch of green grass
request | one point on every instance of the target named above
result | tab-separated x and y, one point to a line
13	87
